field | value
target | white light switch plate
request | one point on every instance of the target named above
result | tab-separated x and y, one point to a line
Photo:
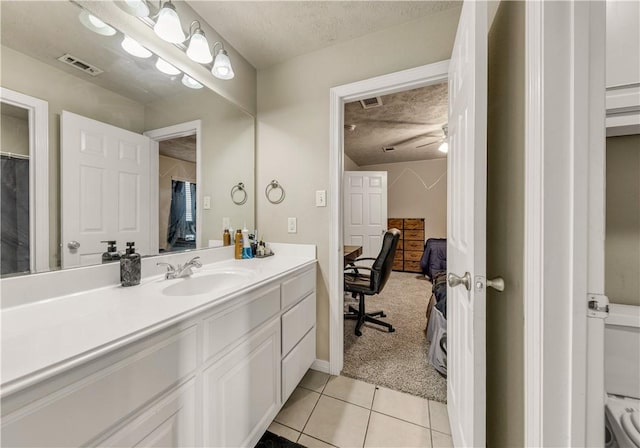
292	225
206	202
321	198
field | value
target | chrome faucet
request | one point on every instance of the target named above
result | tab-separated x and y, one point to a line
180	271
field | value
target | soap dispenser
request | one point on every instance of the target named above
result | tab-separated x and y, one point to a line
130	267
111	254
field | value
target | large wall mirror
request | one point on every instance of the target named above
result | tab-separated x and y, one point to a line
134	153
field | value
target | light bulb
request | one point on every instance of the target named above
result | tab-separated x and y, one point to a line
165	67
190	82
199	48
95	24
222	66
132	47
444	147
168	26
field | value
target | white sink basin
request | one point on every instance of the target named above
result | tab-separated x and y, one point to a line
207	281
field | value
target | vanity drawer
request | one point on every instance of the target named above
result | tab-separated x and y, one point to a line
78	413
297	321
298	287
226	327
296	363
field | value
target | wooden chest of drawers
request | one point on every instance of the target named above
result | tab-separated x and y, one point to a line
411	244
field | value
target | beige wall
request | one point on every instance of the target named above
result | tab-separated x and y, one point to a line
228	154
65	92
622	240
168	170
505	227
293	128
14	133
417	190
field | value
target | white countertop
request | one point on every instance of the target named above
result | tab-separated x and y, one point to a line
43	338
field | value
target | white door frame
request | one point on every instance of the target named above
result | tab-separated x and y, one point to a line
167	133
380	85
38	111
564	216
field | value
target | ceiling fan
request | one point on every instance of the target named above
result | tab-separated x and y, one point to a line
444	144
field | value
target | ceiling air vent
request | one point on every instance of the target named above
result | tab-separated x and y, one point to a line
369	103
80	64
388	148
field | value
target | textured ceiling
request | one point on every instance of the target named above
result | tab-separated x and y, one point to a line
268	32
411	121
182	148
45	30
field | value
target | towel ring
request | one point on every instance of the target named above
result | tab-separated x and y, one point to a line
234	190
274	185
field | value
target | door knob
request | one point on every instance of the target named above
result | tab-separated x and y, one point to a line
455	280
73	245
496	283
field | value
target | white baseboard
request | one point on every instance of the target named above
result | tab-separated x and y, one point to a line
320	365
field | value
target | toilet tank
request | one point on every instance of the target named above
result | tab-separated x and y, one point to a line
622	351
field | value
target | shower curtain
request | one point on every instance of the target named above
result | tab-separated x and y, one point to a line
14	210
180	230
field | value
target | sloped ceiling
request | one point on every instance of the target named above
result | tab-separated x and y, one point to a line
410	121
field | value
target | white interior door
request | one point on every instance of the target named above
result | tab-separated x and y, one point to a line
365	210
466	228
104	189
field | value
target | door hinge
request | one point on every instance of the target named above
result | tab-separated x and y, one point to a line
597	306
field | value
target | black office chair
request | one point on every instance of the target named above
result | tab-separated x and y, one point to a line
371	281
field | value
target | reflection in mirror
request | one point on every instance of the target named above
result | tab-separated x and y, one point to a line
109	160
14	201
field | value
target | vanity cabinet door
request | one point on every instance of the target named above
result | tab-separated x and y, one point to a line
168	423
242	390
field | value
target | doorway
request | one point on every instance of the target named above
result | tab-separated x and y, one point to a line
383	85
401	139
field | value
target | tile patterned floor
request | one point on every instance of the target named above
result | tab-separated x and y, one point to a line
336	411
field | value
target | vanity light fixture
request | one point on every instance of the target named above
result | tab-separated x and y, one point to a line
190	82
132	47
138	8
94	24
166	68
198	49
168	25
222	64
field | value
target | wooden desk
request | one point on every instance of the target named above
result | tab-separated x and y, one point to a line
351	253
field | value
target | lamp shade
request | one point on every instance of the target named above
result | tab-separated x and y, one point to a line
222	66
168	26
95	24
198	49
132	47
136	8
444	147
166	68
190	82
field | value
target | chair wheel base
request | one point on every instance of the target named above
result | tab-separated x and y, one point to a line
358	333
392	330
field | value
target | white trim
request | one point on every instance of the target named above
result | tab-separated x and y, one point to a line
176	131
381	85
533	227
321	365
623	110
38	111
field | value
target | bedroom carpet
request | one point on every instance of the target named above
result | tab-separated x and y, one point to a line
395	360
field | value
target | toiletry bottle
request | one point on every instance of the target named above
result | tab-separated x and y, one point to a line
226	238
238	244
233	235
130	267
111	254
246	244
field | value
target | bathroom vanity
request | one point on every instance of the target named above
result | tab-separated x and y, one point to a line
201	361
